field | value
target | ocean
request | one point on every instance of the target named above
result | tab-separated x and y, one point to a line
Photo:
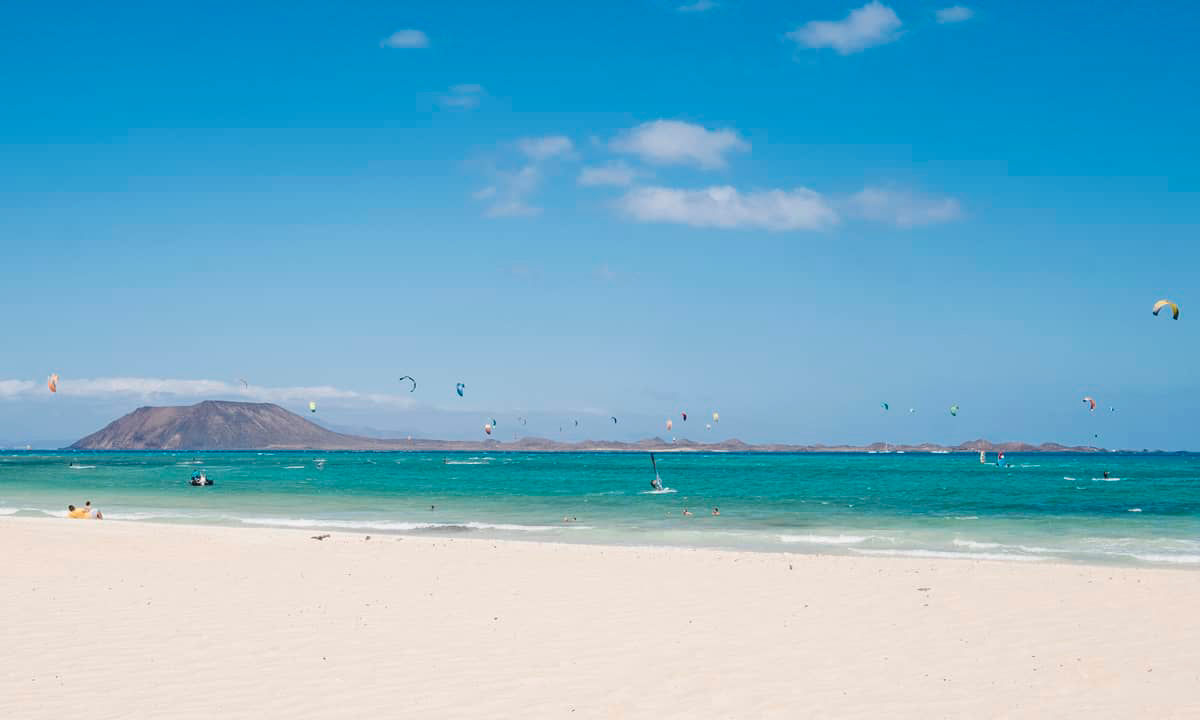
1040	508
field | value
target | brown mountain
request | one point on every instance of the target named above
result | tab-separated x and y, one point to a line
221	425
215	425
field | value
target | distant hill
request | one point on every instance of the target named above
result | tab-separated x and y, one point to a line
222	425
215	425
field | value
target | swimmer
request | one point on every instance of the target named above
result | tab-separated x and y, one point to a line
687	513
716	511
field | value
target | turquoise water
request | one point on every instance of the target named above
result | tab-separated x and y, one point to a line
1043	507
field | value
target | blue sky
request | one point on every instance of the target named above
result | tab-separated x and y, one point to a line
787	212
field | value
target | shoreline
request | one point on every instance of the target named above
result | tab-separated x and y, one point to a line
805	545
781	554
834	549
275	624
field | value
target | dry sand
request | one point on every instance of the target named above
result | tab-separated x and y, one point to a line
122	620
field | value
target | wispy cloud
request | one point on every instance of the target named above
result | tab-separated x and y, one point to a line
671	142
954	14
615	174
728	208
465	96
181	389
903	208
870	25
546	147
12	388
402	39
510	191
508	195
606	273
697	7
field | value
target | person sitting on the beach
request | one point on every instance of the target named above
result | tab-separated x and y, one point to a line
76	513
92	512
716	511
687	513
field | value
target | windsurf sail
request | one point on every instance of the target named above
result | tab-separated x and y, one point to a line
656	483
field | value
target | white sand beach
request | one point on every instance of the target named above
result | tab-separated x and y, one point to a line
124	620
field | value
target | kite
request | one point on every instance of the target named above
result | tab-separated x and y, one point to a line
885	406
614	419
312	406
245	385
1091	403
716	417
1167	303
458	388
954	410
52	383
410	379
684	416
487	429
670	425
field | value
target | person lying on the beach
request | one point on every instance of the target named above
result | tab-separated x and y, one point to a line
76	513
93	513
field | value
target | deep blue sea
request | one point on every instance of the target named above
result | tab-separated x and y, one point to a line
1039	508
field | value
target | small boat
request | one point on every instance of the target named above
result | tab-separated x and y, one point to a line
200	478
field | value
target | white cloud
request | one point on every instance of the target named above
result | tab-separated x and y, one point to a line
671	142
546	147
198	390
870	25
904	209
617	174
954	14
405	39
726	207
510	193
466	96
696	7
12	388
510	190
